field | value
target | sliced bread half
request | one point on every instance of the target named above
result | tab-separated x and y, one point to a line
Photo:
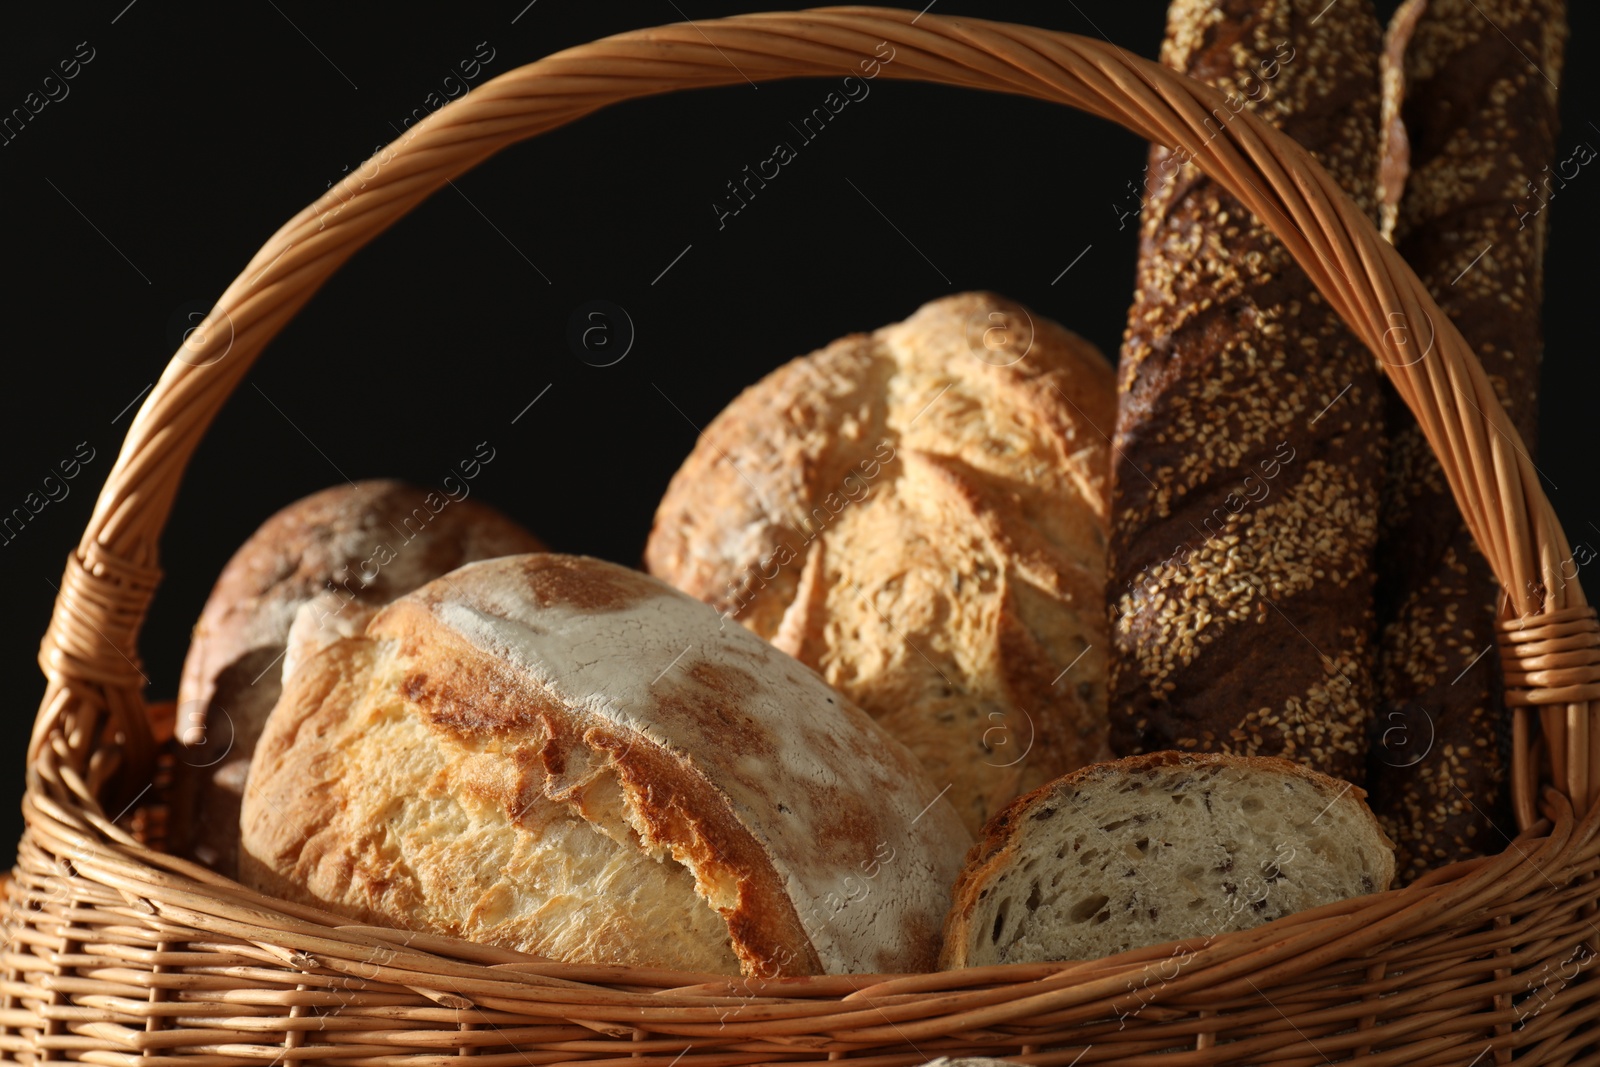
1160	847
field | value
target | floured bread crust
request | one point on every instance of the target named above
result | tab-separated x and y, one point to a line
566	757
332	557
919	513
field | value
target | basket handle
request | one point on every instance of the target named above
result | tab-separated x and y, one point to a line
92	709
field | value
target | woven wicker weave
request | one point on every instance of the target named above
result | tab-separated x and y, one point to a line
120	955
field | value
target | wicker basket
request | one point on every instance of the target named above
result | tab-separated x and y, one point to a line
117	954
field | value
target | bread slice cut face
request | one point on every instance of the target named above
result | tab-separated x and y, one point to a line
1161	847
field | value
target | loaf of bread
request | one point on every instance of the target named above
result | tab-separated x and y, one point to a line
919	513
1249	435
349	549
1164	847
566	757
1469	166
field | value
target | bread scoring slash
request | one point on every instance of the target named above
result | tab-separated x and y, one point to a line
920	514
566	757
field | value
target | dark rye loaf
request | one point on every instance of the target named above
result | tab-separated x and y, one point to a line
1470	116
1248	441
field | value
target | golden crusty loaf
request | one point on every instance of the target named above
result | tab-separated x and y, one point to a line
350	549
1162	847
918	513
565	757
1470	107
1249	436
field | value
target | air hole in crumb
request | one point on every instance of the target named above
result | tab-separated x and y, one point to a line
1143	844
999	922
1086	909
1117	825
1102	917
1035	898
1250	803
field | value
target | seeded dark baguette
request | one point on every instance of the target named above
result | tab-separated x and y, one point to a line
1470	116
1249	435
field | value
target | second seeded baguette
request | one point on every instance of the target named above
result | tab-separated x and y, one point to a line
1470	106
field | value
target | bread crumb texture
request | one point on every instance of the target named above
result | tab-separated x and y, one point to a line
1158	848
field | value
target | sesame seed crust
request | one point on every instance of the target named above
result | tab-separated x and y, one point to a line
1470	121
1249	438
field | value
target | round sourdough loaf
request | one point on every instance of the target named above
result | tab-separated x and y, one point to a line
346	550
566	757
920	514
1162	847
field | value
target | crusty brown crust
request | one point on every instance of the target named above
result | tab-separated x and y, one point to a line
1471	116
921	519
996	848
1249	434
540	686
329	543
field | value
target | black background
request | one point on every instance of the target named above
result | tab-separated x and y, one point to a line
190	137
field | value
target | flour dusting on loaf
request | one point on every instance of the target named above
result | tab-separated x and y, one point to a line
811	834
919	513
326	561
